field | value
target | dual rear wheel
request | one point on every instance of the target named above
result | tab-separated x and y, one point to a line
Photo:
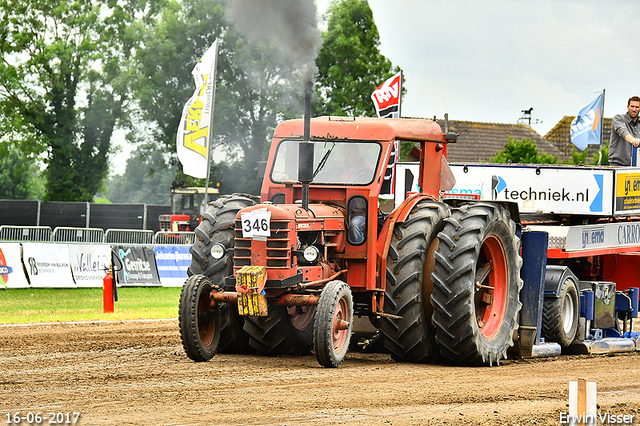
453	278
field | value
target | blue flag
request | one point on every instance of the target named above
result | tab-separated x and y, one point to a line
586	128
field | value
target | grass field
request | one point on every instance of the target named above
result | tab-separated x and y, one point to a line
19	306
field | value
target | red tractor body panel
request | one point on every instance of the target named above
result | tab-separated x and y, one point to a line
328	213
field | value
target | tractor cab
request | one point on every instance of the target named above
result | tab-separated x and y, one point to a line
187	205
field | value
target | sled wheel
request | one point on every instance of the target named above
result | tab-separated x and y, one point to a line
333	324
409	285
560	316
477	285
218	226
199	321
280	333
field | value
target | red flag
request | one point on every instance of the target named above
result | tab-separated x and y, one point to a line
387	96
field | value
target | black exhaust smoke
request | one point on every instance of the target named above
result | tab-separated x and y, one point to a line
292	27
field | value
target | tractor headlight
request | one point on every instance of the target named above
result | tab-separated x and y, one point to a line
311	254
218	251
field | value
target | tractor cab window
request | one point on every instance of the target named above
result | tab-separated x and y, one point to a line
357	220
334	162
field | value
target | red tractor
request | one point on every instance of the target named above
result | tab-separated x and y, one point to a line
186	209
289	273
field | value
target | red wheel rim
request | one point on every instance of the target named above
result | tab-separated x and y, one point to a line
340	328
491	292
206	321
301	316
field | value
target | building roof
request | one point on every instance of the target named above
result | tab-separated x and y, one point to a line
560	135
478	142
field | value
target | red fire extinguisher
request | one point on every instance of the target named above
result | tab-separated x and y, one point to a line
107	291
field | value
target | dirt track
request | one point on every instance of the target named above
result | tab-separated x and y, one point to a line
136	373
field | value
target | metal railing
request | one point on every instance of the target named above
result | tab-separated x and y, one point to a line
78	235
25	233
44	234
128	236
174	238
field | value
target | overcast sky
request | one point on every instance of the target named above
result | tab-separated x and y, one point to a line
487	60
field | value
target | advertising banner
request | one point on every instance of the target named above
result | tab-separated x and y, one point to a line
137	266
172	263
47	265
627	191
536	189
11	271
194	133
89	264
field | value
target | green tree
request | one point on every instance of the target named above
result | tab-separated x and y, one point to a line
350	65
147	179
62	74
522	151
578	157
20	178
256	88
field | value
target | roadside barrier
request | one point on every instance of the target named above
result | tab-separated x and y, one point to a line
25	233
128	236
37	257
78	235
174	238
10	233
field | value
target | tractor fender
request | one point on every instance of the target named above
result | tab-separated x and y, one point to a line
555	275
399	215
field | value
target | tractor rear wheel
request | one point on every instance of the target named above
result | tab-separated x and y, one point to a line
477	285
333	324
560	315
409	265
199	321
281	333
218	226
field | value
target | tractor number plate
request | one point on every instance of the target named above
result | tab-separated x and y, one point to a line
256	223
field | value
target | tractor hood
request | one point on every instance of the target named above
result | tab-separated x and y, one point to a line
319	217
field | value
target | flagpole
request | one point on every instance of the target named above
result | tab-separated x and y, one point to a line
400	97
601	129
210	147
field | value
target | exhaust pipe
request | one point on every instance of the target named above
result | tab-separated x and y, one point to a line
305	152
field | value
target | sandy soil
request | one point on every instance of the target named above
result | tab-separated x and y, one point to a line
136	373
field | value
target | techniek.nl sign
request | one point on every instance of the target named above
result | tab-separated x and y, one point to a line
536	189
540	189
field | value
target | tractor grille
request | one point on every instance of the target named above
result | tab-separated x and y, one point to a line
277	247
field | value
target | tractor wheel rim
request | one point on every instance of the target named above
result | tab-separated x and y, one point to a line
206	323
568	312
301	316
339	335
491	302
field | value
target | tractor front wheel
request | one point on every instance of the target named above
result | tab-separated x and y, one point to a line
333	324
218	227
199	321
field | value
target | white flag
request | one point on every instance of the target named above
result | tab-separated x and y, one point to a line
194	132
